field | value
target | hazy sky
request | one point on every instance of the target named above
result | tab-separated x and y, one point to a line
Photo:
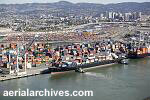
75	1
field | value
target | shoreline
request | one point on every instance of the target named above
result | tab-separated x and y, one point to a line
38	72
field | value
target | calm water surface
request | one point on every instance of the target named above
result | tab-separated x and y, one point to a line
117	82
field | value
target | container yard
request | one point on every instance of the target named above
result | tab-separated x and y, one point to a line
19	59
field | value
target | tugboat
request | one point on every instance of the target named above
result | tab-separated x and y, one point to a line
124	61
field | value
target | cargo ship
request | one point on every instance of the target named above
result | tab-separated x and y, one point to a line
57	70
138	46
139	52
76	67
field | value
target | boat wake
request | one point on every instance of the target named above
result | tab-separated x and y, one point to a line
98	75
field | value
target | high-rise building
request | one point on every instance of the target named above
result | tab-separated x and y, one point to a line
110	15
128	16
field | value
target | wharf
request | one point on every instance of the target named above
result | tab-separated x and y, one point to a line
30	72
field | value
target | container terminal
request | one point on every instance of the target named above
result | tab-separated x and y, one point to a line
24	55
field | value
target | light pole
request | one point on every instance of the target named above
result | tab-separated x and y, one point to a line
9	64
17	70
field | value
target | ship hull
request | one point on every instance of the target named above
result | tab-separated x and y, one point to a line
137	56
59	70
98	63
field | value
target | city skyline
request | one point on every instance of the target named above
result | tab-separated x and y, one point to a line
73	1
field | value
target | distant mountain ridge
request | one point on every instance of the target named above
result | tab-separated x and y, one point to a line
74	8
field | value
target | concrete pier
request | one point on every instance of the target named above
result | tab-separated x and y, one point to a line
30	72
